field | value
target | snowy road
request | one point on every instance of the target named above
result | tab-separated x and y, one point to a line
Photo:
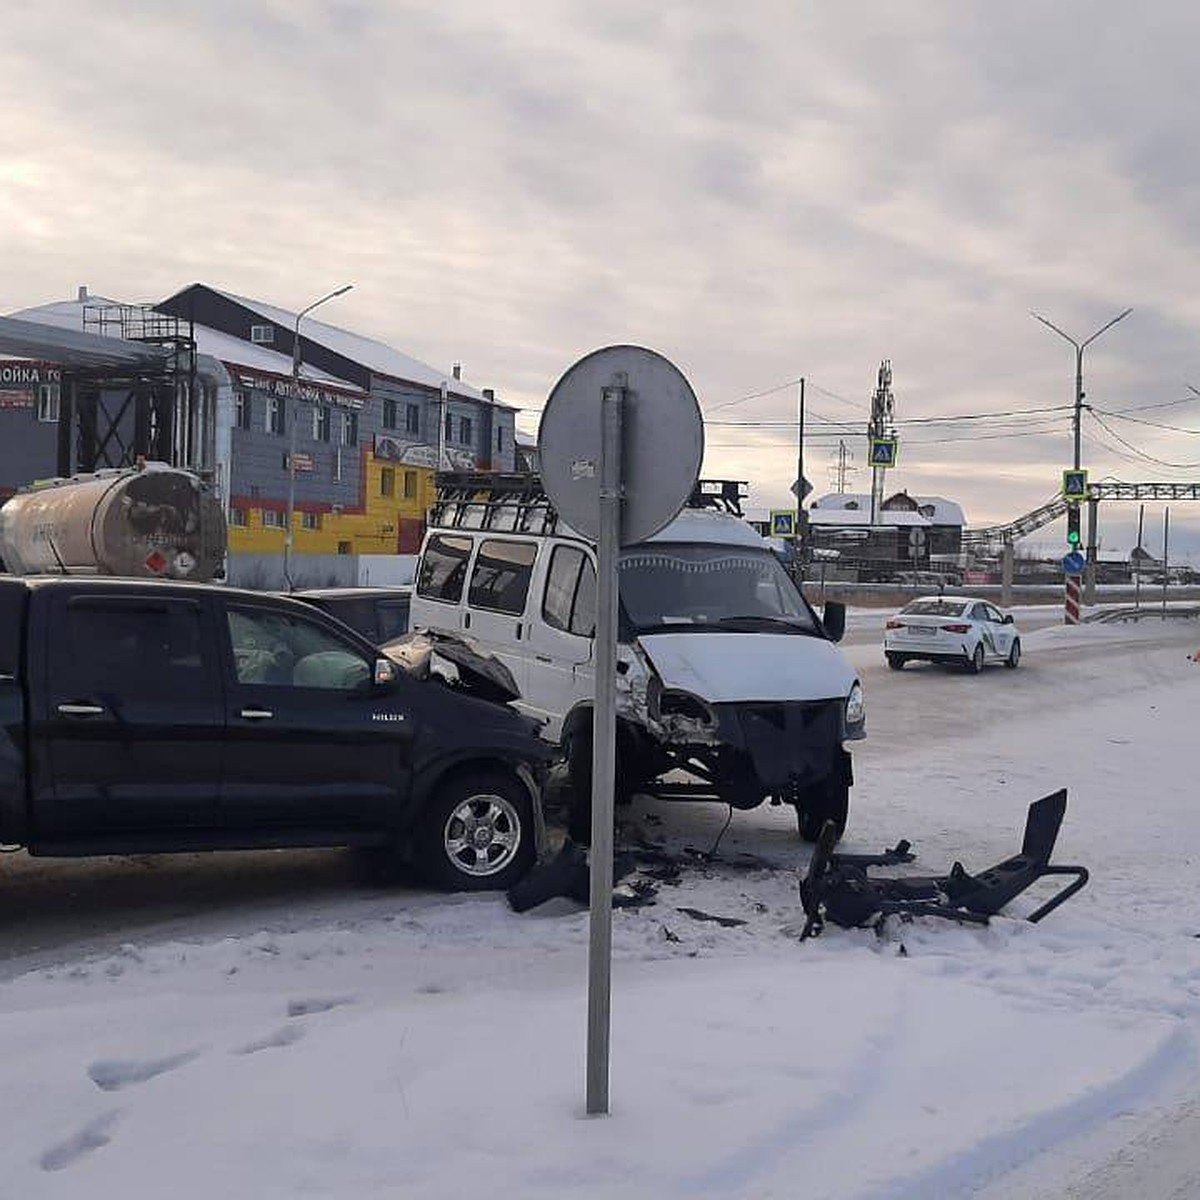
273	1031
90	904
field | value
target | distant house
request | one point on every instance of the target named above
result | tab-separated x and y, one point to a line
525	449
906	528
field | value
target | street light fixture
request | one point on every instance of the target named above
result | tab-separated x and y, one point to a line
289	532
1079	349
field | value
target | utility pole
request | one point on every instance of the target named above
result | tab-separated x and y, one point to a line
441	452
800	540
1166	535
1137	561
842	471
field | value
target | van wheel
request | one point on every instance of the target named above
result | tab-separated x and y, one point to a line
827	802
476	833
579	781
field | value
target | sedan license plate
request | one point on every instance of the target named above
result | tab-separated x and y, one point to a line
921	630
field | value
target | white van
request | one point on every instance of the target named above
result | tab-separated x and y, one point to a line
729	685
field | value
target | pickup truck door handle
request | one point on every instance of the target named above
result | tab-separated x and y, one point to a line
257	714
81	710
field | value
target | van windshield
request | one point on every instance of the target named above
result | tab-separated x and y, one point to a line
710	587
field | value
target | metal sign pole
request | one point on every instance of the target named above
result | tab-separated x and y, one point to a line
604	736
604	470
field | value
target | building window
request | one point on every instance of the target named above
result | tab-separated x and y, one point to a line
322	423
273	518
310	520
449	427
464	431
344	548
262	335
241	410
410	485
412	418
387	481
500	440
239	518
48	400
389	414
275	418
349	429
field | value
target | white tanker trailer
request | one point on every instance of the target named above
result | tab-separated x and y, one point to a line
152	521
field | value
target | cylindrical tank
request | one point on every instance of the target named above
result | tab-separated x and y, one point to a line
152	520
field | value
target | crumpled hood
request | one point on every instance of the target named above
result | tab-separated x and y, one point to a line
730	667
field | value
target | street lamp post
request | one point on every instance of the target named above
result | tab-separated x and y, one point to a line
294	420
1079	349
1089	596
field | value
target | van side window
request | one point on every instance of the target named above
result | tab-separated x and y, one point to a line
500	579
570	600
583	615
444	568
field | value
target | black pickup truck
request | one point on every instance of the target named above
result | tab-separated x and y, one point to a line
154	716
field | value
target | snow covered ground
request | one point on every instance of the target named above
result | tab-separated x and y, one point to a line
399	1043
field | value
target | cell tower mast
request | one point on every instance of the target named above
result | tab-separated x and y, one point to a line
882	426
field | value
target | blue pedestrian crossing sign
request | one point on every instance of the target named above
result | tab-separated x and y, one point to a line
1075	484
883	452
783	522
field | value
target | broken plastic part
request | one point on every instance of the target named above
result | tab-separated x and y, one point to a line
838	888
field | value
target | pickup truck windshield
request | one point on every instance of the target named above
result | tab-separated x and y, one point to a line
663	585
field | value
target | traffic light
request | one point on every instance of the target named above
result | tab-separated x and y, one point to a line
1073	526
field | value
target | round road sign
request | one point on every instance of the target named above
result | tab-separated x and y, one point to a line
662	442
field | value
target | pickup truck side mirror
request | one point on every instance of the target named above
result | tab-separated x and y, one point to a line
834	619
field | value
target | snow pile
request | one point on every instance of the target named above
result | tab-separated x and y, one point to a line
434	1047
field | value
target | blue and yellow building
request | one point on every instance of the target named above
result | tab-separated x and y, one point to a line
367	428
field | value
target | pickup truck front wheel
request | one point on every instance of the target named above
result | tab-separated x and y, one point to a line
476	833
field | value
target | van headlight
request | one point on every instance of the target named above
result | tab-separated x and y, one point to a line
856	709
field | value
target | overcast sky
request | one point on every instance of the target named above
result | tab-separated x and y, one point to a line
760	191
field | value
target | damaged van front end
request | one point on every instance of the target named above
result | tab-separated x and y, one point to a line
730	686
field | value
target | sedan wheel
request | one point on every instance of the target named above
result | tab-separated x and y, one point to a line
975	662
895	661
477	833
1014	655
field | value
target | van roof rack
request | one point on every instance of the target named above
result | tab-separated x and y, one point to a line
513	501
516	501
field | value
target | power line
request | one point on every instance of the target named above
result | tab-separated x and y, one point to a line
1141	453
755	395
951	420
1152	424
1045	431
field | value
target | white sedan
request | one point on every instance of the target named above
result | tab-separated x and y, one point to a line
951	629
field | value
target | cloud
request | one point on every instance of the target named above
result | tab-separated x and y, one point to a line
759	192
